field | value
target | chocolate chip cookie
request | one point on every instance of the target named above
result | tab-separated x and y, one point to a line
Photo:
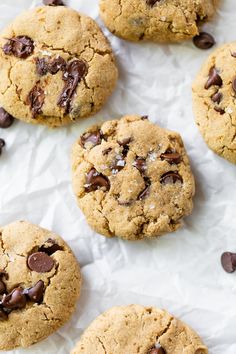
56	66
132	179
156	20
214	94
39	284
139	330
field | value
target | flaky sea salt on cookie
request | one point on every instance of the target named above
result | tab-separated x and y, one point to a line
132	179
39	284
136	329
56	66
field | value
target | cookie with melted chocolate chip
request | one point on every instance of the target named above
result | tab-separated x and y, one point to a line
136	329
39	284
214	93
156	20
62	66
132	179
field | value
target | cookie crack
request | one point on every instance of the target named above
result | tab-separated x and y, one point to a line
102	344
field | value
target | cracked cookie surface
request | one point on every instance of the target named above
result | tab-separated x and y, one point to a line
158	21
56	66
132	179
138	330
39	284
214	94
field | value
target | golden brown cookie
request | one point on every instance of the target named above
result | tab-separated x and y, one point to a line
214	94
132	179
135	329
39	284
56	66
155	20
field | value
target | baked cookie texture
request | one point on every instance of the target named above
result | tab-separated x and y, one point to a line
138	330
56	66
214	94
153	20
132	179
39	284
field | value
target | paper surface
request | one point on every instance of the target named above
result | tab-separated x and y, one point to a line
180	272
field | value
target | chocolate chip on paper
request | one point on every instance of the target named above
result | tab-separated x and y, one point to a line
6	120
204	40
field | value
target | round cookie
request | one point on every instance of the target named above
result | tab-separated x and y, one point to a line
214	94
56	66
132	179
39	284
155	20
138	330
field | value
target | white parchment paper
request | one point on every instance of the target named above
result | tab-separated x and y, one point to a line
180	272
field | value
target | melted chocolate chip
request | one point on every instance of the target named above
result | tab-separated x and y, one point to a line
140	164
213	79
217	97
228	261
144	117
2	144
106	151
36	99
219	110
158	350
3	315
6	119
171	157
41	66
91	138
46	65
171	178
145	193
35	293
2	287
72	75
53	3
204	40
15	300
118	165
40	262
233	54
49	250
234	84
152	2
96	180
20	47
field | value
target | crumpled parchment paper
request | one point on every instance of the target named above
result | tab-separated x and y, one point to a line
180	272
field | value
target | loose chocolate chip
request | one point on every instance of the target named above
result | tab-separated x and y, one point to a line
53	3
50	249
15	300
140	164
2	144
152	2
92	138
72	75
213	79
228	261
234	84
20	47
171	156
35	293
40	262
36	99
6	119
219	110
217	97
159	350
96	180
2	287
204	40
171	178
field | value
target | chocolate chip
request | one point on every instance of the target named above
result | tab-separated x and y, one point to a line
124	142
228	261
3	315
53	3
106	151
40	262
50	249
6	119
35	293
219	110
2	144
20	47
56	65
96	180
204	40
152	2
233	54
145	193
234	84
140	164
158	350
217	97
36	99
171	157
2	287
144	117
15	300
92	138
72	75
41	66
213	79
171	178
118	165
